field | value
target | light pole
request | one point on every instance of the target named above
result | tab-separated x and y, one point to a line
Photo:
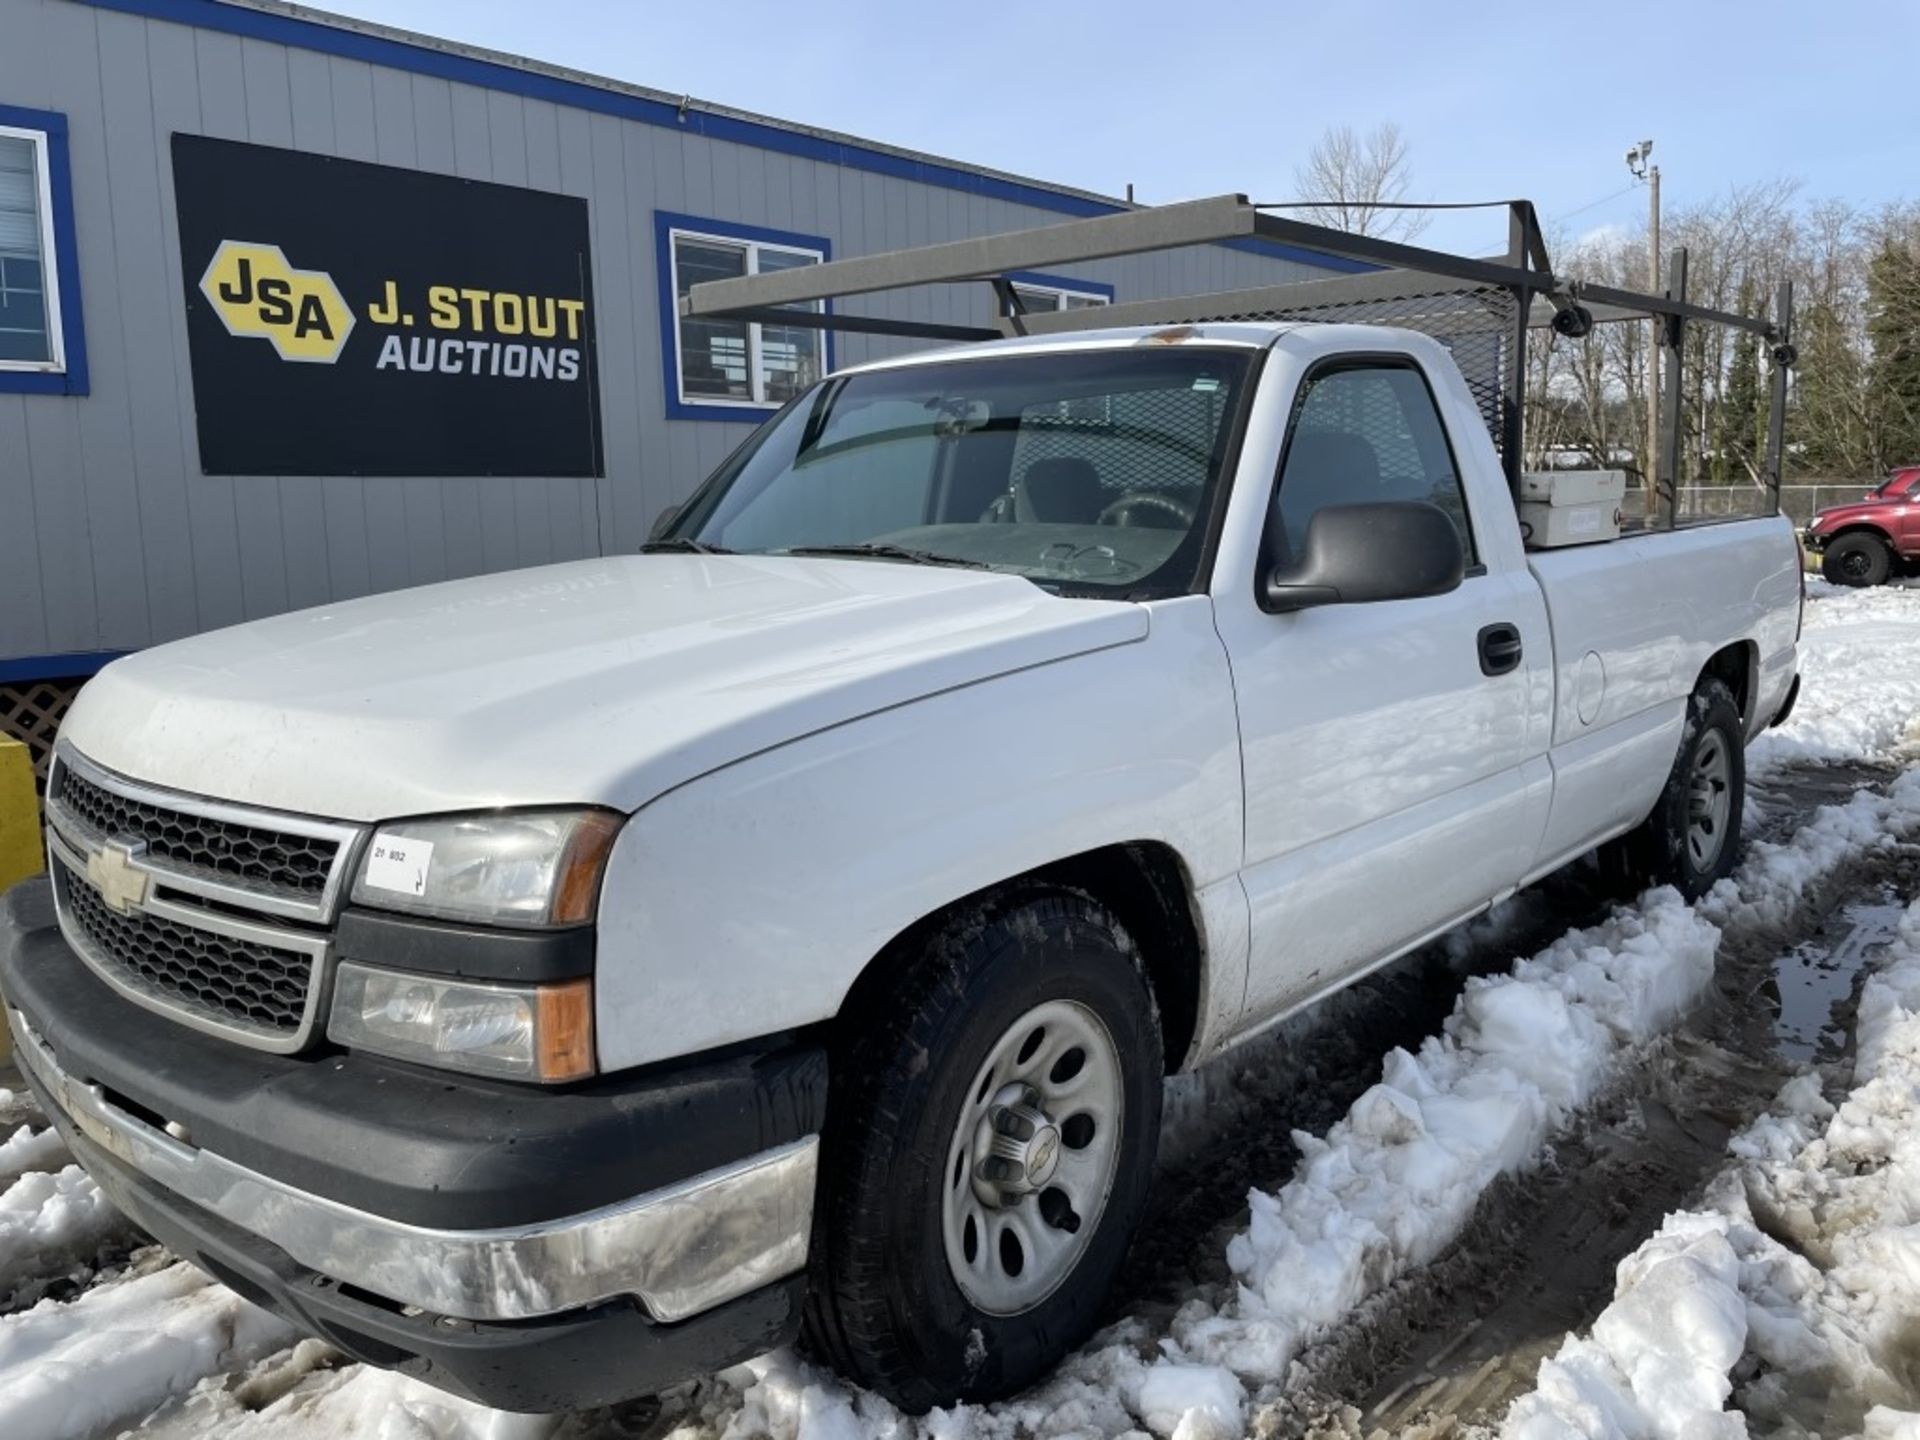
1650	174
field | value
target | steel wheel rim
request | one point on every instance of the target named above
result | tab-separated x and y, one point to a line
1033	1158
1855	564
1709	801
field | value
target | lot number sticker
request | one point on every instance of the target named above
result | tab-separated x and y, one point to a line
398	863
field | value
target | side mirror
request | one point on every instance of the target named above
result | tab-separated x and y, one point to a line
664	521
1354	554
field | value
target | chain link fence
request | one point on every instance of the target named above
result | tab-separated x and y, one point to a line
1800	501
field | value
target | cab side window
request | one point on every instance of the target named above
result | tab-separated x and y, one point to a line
1366	433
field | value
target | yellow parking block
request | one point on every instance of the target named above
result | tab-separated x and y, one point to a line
19	814
19	830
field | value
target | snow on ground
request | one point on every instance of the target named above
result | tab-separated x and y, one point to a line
1794	1291
49	1218
1860	679
75	1368
27	1150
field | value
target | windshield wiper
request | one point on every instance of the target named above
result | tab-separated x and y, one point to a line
683	545
886	552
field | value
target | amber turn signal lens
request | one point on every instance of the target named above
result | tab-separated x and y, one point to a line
576	890
563	1030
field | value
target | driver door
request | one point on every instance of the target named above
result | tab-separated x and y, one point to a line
1393	784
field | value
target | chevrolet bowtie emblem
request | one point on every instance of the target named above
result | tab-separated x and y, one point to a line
122	887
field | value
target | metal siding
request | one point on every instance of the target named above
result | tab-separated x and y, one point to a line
111	538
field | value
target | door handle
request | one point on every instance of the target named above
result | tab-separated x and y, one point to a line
1499	648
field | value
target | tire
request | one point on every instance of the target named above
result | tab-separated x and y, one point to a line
1858	558
1677	845
914	1084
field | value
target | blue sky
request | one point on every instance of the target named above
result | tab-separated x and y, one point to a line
1498	99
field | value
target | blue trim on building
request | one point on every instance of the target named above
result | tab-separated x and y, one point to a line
508	79
665	222
74	665
1063	282
73	380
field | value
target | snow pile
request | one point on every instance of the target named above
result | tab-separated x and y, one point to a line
27	1150
1397	1179
1800	1279
1658	1360
49	1218
120	1349
1773	877
298	1397
1859	680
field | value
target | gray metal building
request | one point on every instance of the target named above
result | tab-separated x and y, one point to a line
120	527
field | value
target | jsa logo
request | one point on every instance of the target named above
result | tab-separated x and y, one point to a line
257	293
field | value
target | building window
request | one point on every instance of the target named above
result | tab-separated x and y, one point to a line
29	291
718	369
1039	293
40	347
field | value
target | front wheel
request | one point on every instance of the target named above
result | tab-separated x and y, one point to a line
1692	838
989	1145
1857	559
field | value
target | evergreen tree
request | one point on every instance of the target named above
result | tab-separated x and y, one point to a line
1743	411
1893	333
1828	386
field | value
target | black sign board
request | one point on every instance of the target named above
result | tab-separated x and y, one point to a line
355	319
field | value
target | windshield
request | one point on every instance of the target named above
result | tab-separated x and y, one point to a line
1088	472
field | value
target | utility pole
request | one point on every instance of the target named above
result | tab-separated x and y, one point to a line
1650	174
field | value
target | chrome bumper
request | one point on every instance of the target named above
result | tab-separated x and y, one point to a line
680	1250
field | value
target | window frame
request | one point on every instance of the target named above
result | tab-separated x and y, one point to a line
1060	287
670	227
65	371
1318	370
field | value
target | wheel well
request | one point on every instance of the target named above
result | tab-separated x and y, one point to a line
1735	667
1862	529
1143	883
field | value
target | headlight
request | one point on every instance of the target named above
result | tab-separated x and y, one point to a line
523	1032
530	868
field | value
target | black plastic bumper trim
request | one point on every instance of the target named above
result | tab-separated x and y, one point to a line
467	952
424	1147
1786	705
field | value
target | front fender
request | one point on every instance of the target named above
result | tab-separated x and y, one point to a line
749	900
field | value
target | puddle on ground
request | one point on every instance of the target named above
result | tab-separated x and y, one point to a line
1813	977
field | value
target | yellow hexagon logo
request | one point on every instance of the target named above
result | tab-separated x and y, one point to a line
255	292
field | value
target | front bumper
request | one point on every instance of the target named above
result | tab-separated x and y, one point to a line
678	1250
530	1249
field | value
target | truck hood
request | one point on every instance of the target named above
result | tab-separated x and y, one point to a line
1834	516
597	682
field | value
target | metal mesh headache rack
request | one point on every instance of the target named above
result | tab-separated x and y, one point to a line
1485	310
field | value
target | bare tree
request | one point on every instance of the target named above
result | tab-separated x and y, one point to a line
1351	179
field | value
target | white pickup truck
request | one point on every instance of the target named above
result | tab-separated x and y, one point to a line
555	984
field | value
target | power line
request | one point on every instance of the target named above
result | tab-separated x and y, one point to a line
1593	204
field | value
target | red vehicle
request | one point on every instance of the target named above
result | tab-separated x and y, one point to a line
1869	542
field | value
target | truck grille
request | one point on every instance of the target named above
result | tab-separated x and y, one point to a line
217	915
298	863
226	980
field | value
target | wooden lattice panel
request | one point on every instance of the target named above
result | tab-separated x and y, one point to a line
32	712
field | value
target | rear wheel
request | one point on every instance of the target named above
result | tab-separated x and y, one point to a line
1692	838
988	1149
1857	559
